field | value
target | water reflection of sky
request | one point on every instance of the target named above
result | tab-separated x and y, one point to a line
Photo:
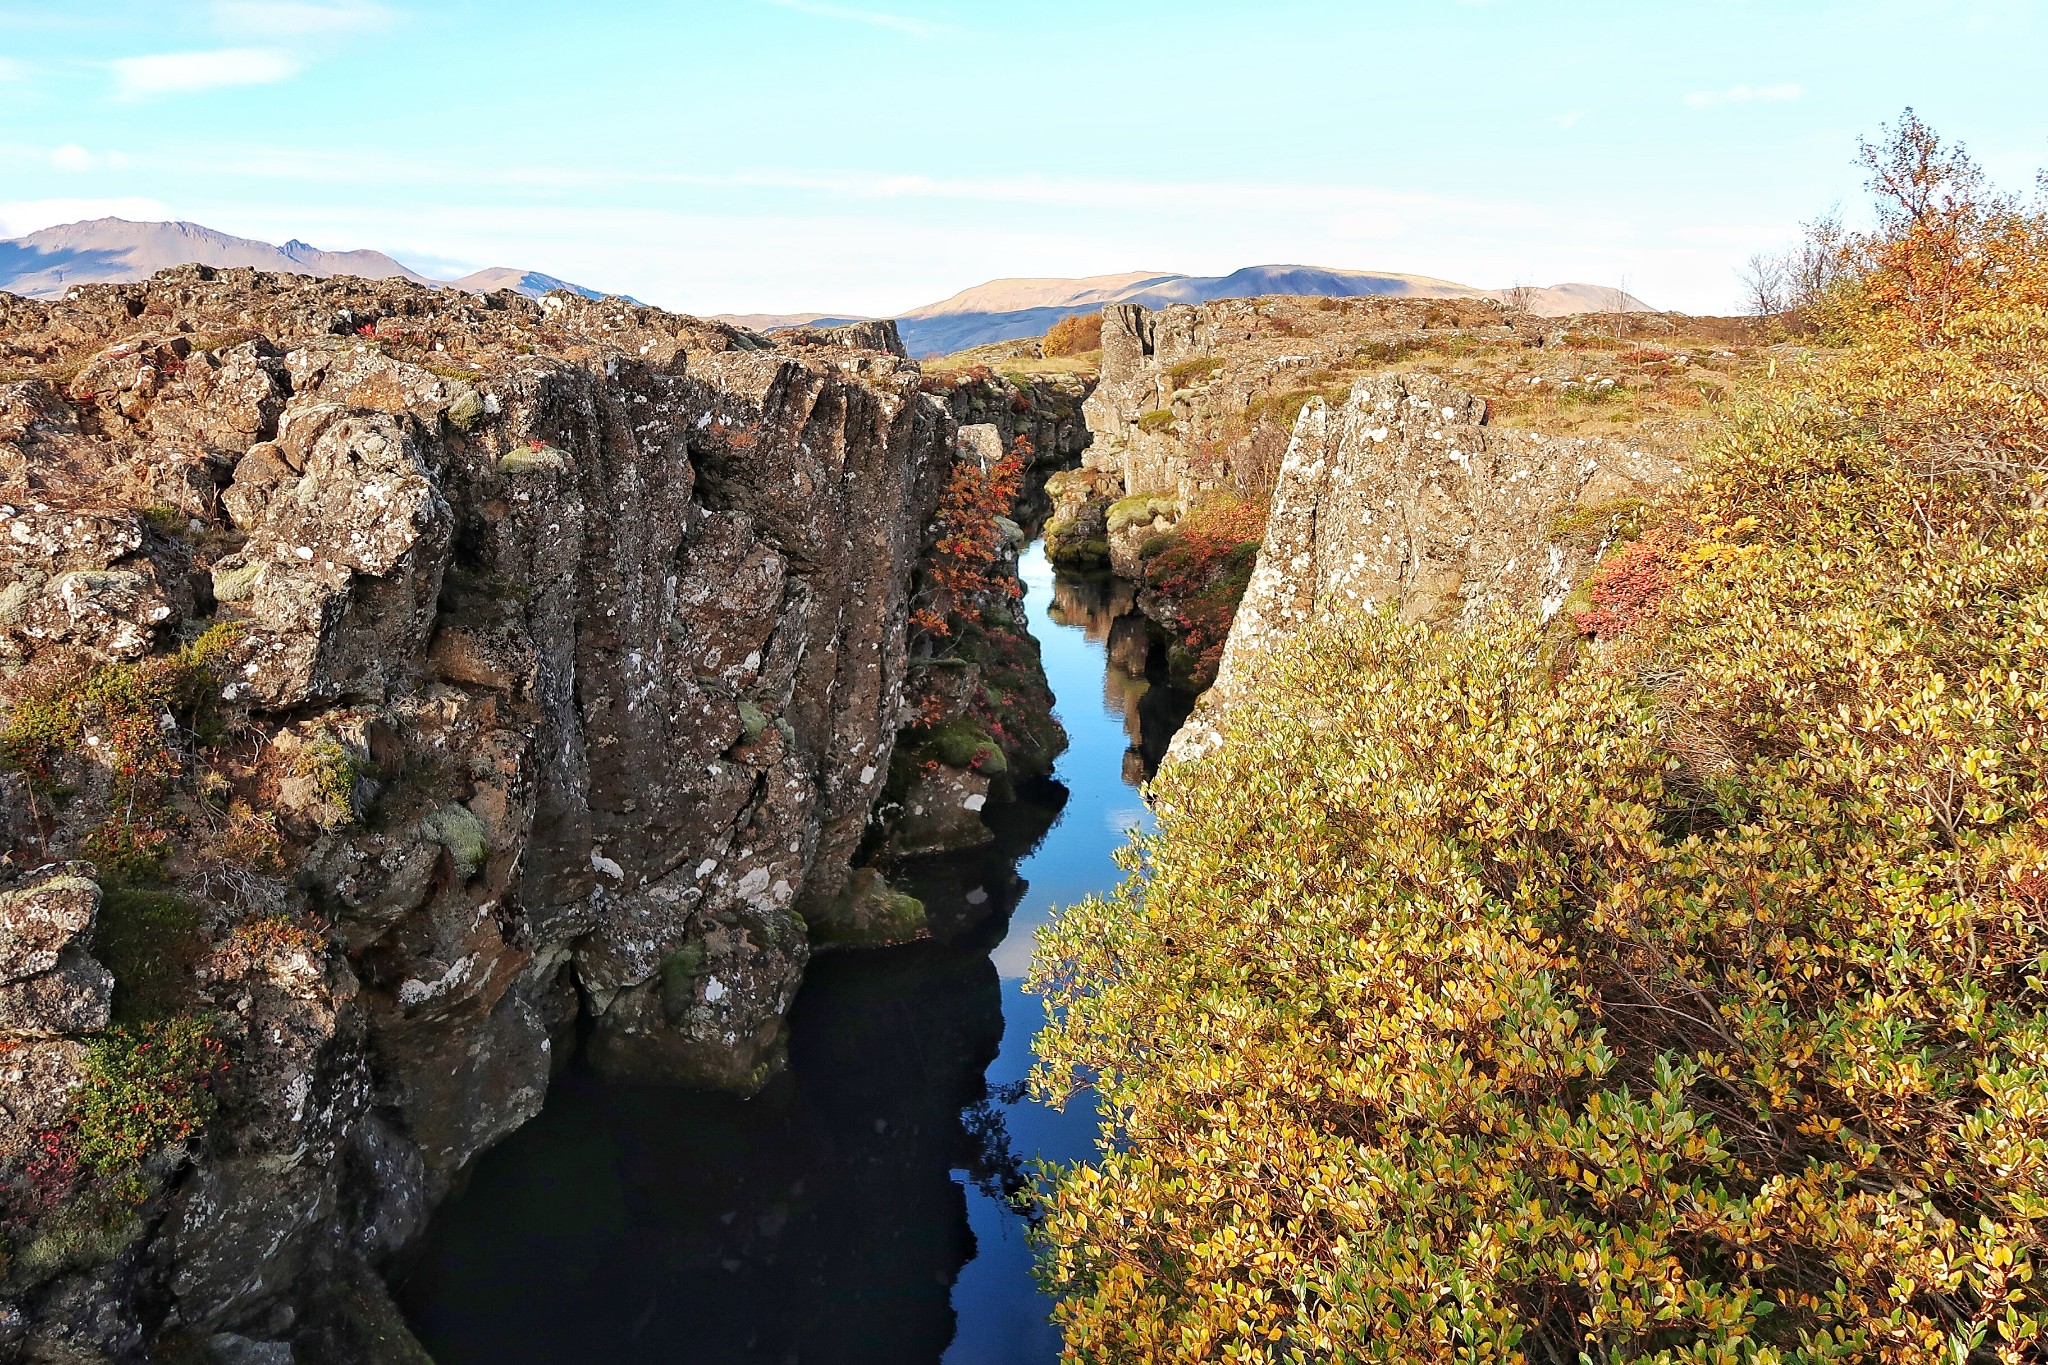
851	1213
1077	858
1001	1318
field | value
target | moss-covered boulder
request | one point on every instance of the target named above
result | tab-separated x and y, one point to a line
869	914
1070	543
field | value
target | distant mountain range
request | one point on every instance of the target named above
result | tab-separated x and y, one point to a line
108	250
113	250
1004	310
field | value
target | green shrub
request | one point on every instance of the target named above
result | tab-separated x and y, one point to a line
335	769
147	1087
116	711
1573	394
1197	574
165	520
1393	351
1159	419
1284	409
1620	519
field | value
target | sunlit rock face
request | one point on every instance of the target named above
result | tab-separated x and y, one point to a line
1404	496
598	612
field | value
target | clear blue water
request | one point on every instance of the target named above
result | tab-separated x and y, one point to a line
856	1211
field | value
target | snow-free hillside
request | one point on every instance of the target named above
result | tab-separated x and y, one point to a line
113	251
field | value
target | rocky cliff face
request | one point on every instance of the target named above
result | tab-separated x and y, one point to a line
1404	495
1045	410
434	671
1200	399
1447	455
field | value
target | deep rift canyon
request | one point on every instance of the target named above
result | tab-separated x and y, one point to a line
419	700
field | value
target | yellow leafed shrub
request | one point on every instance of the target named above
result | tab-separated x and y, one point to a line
1680	1001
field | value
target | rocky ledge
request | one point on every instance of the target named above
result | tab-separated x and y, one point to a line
1403	497
392	679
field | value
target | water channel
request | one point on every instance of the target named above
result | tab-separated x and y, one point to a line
855	1212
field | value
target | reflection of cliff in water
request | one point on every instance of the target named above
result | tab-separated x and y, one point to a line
1135	683
817	1222
833	1219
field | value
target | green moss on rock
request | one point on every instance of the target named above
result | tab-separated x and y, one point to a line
462	834
1070	548
1139	509
870	914
149	940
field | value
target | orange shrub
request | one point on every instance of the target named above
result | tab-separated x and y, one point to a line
1076	335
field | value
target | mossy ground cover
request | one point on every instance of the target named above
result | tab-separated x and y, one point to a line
114	754
1665	984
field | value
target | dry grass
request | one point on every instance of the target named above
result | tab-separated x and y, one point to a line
1015	359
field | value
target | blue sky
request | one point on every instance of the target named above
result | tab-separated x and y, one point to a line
767	155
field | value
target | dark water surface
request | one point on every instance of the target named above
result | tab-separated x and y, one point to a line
855	1210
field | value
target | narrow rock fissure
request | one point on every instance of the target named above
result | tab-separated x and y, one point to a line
858	1208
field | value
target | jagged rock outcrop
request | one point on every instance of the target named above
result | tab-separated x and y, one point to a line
982	713
1045	409
564	660
1199	399
1404	495
52	994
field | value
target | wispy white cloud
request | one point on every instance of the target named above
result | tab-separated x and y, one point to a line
13	69
1359	211
1743	94
21	216
76	159
901	23
184	73
284	20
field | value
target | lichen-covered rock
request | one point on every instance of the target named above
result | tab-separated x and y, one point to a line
238	1236
37	1076
74	997
942	811
41	918
567	653
1196	399
84	581
82	1320
1077	535
50	985
1404	496
230	1348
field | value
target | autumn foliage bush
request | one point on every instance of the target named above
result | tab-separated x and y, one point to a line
962	574
1199	575
1681	1002
147	1087
1076	335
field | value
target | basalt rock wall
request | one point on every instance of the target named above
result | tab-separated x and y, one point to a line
1044	410
1403	495
564	660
